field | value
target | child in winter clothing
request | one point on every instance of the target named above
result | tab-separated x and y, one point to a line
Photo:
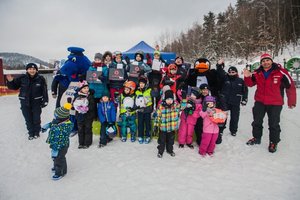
167	121
188	119
144	105
84	106
127	111
143	70
204	91
155	76
58	138
210	129
107	117
116	86
171	78
235	94
101	86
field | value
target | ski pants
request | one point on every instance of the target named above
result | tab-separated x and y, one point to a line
208	143
273	111
128	121
85	134
198	130
165	141
185	133
234	117
60	162
144	120
32	115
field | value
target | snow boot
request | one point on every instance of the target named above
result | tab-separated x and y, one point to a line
123	139
101	145
272	147
141	140
171	153
159	155
147	140
56	177
181	146
233	134
253	141
190	146
219	140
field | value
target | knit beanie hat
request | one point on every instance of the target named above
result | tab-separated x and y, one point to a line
265	56
98	56
169	94
204	86
63	112
232	68
31	65
196	93
210	99
106	94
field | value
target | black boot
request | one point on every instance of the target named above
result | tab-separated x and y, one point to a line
219	140
190	146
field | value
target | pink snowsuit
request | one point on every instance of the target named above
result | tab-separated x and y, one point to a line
187	124
209	135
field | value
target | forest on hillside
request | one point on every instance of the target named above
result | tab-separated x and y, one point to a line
244	30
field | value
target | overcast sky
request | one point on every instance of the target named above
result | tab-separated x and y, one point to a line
46	28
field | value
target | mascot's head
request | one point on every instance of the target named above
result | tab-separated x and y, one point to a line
76	65
202	65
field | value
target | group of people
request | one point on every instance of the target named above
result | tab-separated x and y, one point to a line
178	97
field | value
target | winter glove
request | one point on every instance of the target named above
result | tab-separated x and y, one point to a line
44	104
45	127
168	82
189	105
243	103
54	95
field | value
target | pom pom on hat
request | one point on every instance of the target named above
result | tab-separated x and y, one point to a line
265	56
63	112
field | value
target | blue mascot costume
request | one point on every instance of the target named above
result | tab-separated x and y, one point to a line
73	70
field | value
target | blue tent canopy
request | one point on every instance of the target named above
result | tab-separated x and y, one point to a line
143	46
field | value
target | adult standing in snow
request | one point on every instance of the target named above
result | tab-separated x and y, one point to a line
235	93
271	81
33	97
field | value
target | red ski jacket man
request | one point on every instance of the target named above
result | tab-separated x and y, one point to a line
271	81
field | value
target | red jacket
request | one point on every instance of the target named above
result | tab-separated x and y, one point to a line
270	91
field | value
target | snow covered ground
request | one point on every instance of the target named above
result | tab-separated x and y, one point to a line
132	171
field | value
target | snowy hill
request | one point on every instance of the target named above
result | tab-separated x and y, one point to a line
19	60
132	171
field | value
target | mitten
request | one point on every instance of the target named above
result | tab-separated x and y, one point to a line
243	102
